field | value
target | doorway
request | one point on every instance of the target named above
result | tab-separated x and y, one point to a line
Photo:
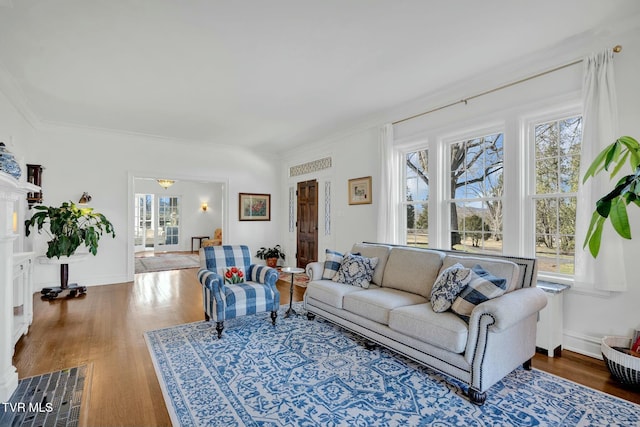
307	235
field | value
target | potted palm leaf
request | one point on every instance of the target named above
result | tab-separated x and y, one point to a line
625	192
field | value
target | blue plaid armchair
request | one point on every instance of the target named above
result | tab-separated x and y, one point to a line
233	287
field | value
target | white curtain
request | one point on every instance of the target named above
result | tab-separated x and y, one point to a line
607	272
389	195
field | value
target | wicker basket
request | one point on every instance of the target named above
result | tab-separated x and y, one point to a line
624	367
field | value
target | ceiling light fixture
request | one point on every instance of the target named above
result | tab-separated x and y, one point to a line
166	183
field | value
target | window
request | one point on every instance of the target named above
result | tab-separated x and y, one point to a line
461	194
169	219
557	169
417	197
475	190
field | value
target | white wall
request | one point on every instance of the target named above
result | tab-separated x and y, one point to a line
105	164
354	155
587	315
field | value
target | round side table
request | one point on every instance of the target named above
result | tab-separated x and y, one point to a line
293	271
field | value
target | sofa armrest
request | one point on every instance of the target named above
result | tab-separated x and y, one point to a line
315	270
510	308
502	334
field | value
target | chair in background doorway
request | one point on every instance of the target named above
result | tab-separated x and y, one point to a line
216	241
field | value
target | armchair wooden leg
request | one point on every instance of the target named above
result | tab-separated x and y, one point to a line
206	317
219	328
274	315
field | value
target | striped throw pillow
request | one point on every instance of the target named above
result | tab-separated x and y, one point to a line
332	264
482	287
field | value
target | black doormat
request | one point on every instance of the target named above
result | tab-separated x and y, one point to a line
51	399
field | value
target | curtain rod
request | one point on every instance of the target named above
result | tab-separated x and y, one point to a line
616	49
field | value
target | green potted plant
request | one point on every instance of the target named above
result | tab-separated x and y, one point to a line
271	255
626	190
69	227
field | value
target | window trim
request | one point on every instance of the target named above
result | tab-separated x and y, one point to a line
528	231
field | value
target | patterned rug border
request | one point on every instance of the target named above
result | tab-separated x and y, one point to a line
577	415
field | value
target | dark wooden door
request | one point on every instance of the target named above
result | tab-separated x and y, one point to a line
307	240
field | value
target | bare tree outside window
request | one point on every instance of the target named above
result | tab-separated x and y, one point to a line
417	197
476	190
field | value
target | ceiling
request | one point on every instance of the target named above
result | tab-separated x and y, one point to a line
263	74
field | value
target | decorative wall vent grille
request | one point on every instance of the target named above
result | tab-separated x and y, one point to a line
314	166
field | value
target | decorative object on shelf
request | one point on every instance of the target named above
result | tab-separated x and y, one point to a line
204	206
360	191
271	255
8	162
254	207
626	190
34	176
69	227
166	183
84	199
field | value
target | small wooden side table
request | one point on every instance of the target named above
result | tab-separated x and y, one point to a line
293	271
199	239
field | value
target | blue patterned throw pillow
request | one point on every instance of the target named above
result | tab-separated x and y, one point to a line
356	270
332	264
448	286
482	287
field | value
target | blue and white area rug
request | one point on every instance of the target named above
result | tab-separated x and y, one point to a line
307	373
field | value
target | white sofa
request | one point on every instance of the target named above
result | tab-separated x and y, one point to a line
395	312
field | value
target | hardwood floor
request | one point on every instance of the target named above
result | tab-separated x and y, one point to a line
105	328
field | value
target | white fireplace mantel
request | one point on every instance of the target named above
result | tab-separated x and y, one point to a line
12	207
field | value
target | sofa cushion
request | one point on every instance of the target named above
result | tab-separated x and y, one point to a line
356	270
375	304
330	292
448	286
374	251
332	263
444	330
412	270
498	267
482	287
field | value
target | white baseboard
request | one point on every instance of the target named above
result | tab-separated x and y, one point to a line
95	281
583	344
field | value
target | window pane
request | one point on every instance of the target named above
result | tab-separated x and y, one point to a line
570	136
417	225
476	177
417	175
547	175
557	172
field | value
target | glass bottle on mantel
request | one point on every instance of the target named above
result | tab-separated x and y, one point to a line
34	176
8	163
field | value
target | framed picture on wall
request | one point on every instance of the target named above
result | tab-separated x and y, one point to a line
360	191
254	207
